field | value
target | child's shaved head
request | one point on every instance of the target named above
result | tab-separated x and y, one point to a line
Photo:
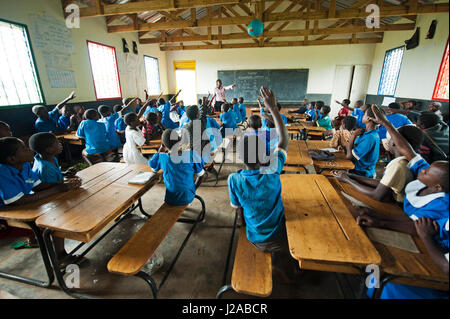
436	176
91	114
442	167
168	139
254	122
5	130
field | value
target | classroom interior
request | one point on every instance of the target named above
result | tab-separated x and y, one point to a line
319	50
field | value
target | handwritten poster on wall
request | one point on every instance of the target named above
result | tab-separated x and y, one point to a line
51	34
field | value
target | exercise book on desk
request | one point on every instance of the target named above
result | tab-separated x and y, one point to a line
141	178
392	238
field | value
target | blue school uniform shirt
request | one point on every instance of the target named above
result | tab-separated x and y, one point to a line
120	124
213	132
242	111
237	113
228	119
264	121
95	136
110	123
152	109
184	120
366	150
178	174
14	183
64	122
126	111
359	114
397	120
47	171
166	121
181	110
258	192
48	126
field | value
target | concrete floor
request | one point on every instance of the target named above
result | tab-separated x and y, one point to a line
197	274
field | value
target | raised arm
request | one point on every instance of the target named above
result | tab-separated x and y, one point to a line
175	96
143	108
400	142
67	99
271	103
129	104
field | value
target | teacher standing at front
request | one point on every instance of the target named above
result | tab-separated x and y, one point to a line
219	94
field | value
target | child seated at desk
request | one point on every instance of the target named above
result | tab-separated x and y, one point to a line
396	175
46	165
363	148
256	193
65	121
48	121
20	185
134	138
179	168
119	123
78	116
242	110
228	119
342	136
149	130
109	120
95	135
325	120
311	113
427	197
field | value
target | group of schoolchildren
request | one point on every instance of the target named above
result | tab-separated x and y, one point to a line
411	180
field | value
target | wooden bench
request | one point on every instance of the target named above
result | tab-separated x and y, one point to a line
252	270
133	256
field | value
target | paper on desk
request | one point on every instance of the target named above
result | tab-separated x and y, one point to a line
329	149
141	178
354	200
392	238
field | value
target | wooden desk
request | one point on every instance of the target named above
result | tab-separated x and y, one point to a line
71	138
82	213
297	156
340	163
416	269
310	127
153	144
320	228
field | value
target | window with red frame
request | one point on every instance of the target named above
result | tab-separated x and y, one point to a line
104	71
440	92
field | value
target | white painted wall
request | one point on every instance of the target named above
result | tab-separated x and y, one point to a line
320	60
93	29
420	66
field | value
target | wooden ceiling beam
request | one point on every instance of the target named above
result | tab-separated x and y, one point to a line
273	44
284	33
279	17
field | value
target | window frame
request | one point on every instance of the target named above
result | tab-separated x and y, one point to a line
382	68
36	69
92	73
433	98
159	75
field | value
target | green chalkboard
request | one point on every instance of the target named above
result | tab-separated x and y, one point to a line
289	85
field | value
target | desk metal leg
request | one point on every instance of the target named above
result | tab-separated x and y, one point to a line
226	287
150	282
383	281
45	259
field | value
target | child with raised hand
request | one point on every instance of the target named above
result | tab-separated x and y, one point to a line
179	168
95	135
343	112
46	165
20	185
109	120
65	121
134	138
48	121
342	136
77	117
242	109
149	127
364	147
396	175
256	192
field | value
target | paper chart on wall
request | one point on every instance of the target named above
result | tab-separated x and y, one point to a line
51	34
61	78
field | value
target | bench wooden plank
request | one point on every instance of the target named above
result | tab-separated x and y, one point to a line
252	269
138	250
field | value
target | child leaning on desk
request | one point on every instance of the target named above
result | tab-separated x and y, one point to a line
426	197
256	193
20	185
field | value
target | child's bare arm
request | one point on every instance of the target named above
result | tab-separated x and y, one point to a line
129	104
426	228
271	103
67	99
400	142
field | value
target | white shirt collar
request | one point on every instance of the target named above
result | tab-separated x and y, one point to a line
413	188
